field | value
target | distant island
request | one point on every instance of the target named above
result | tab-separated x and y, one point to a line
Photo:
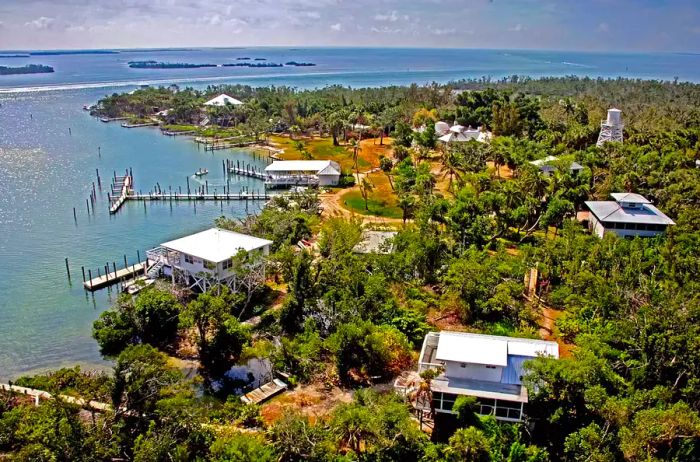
28	69
15	56
260	59
294	63
252	65
73	52
159	65
243	59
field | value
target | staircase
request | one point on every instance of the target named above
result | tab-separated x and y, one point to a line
154	271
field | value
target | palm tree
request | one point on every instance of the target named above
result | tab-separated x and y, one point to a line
406	204
356	148
452	166
366	187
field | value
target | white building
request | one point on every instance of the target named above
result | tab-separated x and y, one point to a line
549	164
487	367
222	100
628	215
460	134
302	172
205	259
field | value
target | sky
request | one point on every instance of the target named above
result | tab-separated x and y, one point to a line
589	25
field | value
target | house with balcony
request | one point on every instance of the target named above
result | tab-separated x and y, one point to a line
487	367
628	215
205	259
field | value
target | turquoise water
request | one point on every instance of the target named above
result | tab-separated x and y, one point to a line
45	171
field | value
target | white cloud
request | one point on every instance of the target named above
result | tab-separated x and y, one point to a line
337	27
392	16
385	30
603	27
517	28
75	28
42	22
446	31
311	15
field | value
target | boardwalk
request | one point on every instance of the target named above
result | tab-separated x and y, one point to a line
113	277
264	392
40	394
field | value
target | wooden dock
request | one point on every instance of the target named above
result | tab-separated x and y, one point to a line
147	124
174	196
121	188
179	133
113	277
264	392
247	172
229	145
41	394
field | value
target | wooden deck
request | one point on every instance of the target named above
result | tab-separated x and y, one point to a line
114	277
264	392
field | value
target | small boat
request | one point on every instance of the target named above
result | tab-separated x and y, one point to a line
201	172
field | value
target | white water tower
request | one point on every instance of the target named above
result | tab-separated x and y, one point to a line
611	128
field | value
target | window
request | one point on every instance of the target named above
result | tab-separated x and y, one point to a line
209	265
490	367
226	264
462	365
189	259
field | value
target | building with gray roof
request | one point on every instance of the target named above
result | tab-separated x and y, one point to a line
628	215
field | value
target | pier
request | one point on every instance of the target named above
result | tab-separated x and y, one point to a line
121	188
247	172
178	133
229	144
146	124
113	277
174	196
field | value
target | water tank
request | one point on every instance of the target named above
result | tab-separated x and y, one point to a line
614	117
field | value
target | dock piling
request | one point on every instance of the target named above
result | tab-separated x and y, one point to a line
67	269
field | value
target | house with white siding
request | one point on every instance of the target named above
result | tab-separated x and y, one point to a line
628	215
487	367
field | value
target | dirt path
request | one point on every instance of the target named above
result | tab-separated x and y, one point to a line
332	204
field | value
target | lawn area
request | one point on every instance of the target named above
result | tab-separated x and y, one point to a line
382	201
322	148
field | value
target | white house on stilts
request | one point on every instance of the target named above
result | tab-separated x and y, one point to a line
206	259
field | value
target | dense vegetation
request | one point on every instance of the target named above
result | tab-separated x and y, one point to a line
28	69
477	218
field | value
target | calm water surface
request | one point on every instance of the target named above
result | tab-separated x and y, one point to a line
45	171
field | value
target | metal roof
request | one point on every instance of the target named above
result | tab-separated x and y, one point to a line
612	211
631	198
321	167
490	350
222	100
215	244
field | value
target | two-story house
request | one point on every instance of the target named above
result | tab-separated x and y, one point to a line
205	259
487	367
628	215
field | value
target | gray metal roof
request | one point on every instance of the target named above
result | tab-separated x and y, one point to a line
631	198
611	211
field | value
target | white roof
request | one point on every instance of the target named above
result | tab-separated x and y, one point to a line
490	350
321	167
222	100
215	244
441	128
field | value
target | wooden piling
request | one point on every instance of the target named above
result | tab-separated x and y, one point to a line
90	276
67	269
82	268
87	204
75	217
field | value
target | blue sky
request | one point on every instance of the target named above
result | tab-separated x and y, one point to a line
642	25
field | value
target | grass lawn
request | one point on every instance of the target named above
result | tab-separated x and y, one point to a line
322	148
382	201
